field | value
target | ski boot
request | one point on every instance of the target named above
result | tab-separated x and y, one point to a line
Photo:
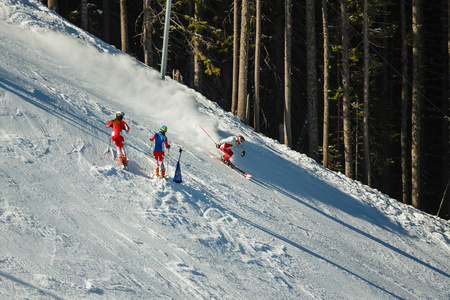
227	162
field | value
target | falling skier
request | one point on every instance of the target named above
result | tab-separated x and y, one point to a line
227	144
160	139
117	126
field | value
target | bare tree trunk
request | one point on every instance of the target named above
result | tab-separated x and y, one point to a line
404	111
367	171
247	103
106	21
287	73
326	78
84	15
417	80
243	64
445	104
235	78
198	64
147	40
124	25
257	63
346	92
313	127
448	95
53	4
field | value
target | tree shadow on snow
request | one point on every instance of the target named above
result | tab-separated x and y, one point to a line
209	198
309	186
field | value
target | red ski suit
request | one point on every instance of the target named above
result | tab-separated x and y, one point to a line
116	136
160	139
227	144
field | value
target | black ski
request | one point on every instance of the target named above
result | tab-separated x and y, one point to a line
237	170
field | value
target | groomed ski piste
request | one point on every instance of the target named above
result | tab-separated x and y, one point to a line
74	225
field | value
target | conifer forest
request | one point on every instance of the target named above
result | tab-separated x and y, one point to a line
360	86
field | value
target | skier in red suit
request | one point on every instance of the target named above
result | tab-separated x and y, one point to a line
118	124
227	144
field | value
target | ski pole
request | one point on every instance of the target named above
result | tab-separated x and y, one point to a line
111	150
149	150
207	134
109	145
168	156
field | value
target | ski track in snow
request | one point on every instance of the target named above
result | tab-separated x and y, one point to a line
74	225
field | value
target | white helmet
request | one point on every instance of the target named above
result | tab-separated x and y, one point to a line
120	114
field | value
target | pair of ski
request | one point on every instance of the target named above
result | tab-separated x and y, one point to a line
110	150
236	169
154	176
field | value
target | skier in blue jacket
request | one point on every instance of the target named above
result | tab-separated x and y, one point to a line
160	140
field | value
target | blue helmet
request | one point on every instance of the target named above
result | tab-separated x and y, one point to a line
163	128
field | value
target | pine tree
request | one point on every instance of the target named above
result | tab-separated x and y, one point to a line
416	169
84	15
235	75
367	171
287	73
346	92
326	78
197	51
313	126
147	27
53	4
124	25
243	63
257	63
404	111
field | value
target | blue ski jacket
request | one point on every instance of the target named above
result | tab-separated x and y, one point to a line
159	141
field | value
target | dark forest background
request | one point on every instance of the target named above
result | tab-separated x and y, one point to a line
215	27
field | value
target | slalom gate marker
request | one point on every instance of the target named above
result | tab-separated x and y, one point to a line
177	178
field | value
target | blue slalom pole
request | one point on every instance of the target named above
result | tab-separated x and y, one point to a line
177	178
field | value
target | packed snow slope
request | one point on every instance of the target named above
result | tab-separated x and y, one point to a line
73	225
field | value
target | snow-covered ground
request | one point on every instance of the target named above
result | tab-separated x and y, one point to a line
73	225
